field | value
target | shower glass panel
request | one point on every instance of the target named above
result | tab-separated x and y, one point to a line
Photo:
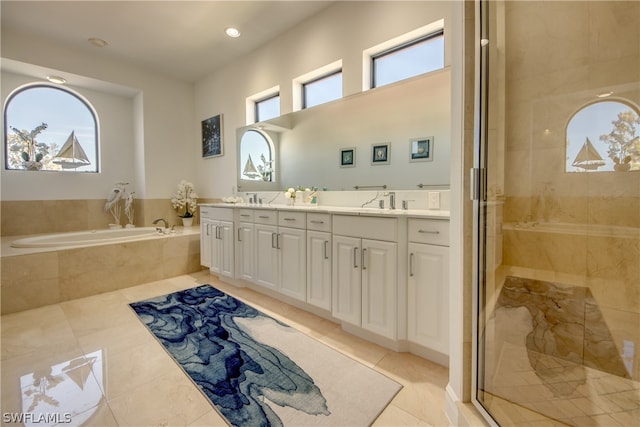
558	316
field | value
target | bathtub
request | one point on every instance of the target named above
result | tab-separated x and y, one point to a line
39	270
81	238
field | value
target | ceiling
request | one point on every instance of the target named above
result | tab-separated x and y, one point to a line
181	39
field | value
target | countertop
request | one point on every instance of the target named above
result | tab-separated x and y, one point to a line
412	213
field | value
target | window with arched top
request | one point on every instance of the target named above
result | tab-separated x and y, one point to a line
257	157
50	128
603	136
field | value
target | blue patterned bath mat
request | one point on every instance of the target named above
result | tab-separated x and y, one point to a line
257	371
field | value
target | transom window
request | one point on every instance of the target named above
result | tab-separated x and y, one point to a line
322	90
409	59
50	128
267	108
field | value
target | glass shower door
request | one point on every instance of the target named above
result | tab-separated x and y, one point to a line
558	315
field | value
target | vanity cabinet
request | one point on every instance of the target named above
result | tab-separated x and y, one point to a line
265	252
216	242
364	273
244	245
319	260
427	285
280	255
205	240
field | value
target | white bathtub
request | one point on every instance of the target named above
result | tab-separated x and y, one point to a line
85	238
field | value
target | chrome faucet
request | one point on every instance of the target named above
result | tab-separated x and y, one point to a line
392	199
166	224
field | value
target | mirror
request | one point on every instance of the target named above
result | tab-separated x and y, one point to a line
257	153
312	144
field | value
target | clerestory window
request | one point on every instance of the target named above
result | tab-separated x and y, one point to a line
321	90
267	108
50	128
407	60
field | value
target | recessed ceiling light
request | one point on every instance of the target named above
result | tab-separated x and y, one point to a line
232	32
94	41
57	79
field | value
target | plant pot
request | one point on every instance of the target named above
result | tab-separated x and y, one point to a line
187	222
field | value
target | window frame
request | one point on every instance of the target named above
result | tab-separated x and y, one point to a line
316	80
94	114
400	47
256	107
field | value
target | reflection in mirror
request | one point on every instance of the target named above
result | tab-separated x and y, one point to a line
258	164
256	157
604	136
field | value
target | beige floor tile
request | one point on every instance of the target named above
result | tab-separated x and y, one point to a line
34	330
97	313
53	383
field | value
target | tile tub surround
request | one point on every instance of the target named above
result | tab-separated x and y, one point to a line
34	277
58	216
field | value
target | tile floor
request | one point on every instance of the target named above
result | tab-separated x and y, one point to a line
94	354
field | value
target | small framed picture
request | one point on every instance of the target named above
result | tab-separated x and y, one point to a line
212	136
421	149
348	157
380	154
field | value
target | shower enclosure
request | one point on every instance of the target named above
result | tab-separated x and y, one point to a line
558	301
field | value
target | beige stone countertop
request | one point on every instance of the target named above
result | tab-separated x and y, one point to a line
8	250
410	213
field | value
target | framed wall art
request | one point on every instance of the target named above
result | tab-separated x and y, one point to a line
348	157
421	149
212	136
380	153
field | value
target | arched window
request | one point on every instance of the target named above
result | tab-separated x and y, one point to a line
50	128
603	136
257	160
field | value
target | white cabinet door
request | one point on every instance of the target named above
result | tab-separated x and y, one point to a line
266	256
244	251
319	269
206	240
428	296
224	249
292	248
379	278
346	294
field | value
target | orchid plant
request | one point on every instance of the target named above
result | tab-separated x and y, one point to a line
185	198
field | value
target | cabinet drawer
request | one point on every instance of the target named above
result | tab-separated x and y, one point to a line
265	217
319	221
429	231
368	227
292	219
222	214
246	215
